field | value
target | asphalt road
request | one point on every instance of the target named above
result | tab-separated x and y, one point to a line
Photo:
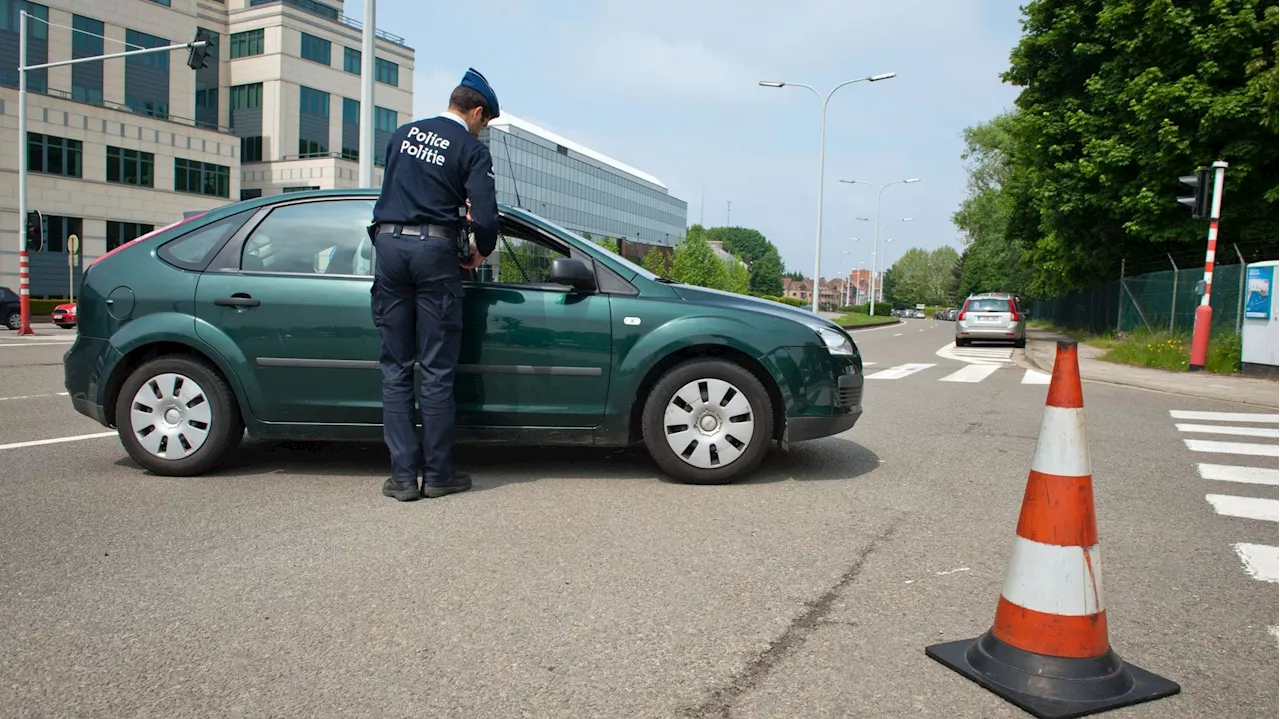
575	583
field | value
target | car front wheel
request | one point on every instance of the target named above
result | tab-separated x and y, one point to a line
177	417
708	422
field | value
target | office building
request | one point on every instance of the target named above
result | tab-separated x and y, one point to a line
579	188
122	146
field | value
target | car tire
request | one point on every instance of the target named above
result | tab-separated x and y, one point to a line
961	343
202	397
727	387
1020	343
13	321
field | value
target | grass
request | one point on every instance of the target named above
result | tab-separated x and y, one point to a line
857	319
1158	349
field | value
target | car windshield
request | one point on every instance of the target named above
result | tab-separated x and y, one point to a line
989	305
613	255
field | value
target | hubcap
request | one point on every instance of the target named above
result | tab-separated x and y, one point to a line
170	416
709	423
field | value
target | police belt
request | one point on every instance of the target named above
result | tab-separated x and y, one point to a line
438	231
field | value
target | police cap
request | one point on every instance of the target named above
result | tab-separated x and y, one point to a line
476	81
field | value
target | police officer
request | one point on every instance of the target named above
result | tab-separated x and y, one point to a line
437	175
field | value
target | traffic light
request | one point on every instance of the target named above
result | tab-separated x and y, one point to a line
198	57
35	231
1202	181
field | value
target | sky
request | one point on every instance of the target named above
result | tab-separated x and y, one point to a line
671	87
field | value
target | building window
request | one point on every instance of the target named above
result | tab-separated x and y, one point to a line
57	229
247	44
351	60
387	72
130	167
37	44
246	97
313	122
146	77
53	155
162	2
119	233
251	149
86	77
316	49
251	194
201	178
301	188
384	123
350	129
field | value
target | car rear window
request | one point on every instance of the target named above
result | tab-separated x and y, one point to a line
988	305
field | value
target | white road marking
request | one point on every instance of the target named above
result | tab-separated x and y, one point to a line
1228	429
971	373
1255	450
57	440
35	396
1226	416
1245	507
900	371
1260	561
1034	377
1248	475
33	344
976	355
898	335
868	364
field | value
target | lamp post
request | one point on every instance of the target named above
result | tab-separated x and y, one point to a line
368	65
822	152
879	192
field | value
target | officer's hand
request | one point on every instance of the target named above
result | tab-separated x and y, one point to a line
469	211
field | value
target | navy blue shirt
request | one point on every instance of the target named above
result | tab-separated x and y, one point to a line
433	167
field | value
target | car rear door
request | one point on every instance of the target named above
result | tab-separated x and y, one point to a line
292	296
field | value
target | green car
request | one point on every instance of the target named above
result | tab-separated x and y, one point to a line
256	317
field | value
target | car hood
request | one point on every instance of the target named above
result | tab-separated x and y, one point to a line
720	298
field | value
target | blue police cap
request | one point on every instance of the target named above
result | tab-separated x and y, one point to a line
476	81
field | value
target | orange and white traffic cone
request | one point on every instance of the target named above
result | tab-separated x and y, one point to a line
1047	651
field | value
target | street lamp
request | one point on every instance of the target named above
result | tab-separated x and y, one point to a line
879	192
822	153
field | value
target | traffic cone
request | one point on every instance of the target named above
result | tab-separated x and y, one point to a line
1047	651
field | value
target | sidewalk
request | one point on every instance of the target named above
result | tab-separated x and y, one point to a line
1042	349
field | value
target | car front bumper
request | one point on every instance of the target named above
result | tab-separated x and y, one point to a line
849	410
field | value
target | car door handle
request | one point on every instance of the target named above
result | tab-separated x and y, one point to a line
237	300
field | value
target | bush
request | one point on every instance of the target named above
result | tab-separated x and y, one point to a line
44	307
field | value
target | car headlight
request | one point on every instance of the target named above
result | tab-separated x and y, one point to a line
837	343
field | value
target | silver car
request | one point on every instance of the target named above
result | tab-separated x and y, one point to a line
995	316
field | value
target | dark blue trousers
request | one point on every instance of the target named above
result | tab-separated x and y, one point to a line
417	307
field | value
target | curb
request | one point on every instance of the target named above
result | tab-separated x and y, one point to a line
1048	369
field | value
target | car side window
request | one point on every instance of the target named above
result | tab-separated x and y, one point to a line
194	250
521	258
322	237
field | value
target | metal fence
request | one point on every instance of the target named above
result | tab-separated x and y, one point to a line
1162	301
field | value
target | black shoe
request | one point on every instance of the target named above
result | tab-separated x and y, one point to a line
403	491
461	483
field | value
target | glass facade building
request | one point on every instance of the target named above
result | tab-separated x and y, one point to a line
578	188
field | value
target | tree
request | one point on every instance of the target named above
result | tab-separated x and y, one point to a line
608	243
656	262
695	263
737	278
1120	98
794	275
888	287
766	274
747	244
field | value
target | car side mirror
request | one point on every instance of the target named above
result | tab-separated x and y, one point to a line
574	273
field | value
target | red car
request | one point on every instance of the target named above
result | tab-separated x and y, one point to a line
64	315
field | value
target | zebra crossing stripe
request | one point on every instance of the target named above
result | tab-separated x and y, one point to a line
1034	377
900	371
972	373
1245	507
1247	475
1228	429
1225	416
1261	561
1255	450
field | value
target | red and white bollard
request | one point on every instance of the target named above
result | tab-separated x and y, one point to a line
24	291
1204	313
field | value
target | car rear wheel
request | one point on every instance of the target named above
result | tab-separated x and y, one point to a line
177	417
14	321
708	422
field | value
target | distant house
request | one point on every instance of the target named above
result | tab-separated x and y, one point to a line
797	289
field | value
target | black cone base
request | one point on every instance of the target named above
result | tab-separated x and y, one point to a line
1051	687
